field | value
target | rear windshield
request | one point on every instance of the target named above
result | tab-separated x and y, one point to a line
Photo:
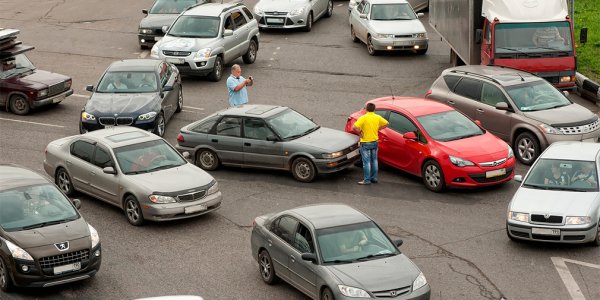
171	6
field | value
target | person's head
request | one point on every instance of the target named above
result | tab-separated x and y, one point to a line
586	167
555	168
236	70
370	107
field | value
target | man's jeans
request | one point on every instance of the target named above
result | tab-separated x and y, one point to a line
368	152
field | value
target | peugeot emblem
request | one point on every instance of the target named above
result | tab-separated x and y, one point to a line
547	216
64	246
393	293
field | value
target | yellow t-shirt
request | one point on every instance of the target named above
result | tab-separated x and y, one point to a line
369	124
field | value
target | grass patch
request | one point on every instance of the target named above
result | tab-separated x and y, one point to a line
587	14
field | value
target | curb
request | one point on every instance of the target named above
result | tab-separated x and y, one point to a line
587	88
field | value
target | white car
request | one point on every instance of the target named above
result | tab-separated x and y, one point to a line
417	5
291	14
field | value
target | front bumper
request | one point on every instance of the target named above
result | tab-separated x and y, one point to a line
572	234
176	211
96	124
476	176
404	43
148	39
52	99
592	137
281	21
190	64
423	293
331	165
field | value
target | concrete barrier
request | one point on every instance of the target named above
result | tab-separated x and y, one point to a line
587	88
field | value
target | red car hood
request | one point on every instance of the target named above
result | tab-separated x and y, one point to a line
43	77
481	148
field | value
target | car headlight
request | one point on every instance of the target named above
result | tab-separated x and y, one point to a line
203	53
17	252
213	189
154	51
517	216
145	30
549	129
459	162
94	235
578	220
384	36
420	35
333	155
161	199
567	79
42	93
147	116
510	152
258	10
353	292
87	116
297	11
419	282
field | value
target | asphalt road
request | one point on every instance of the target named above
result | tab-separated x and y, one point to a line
457	238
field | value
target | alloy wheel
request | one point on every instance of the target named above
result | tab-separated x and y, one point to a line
180	99
160	126
370	46
265	267
3	274
330	8
433	176
218	68
303	170
133	211
526	149
63	182
252	51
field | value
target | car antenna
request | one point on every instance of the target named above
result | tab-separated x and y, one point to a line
522	79
392	92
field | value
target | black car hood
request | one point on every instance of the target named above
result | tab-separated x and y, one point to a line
123	103
158	20
50	234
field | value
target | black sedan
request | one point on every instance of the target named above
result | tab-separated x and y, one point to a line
144	93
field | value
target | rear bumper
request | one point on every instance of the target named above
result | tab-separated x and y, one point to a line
53	99
568	234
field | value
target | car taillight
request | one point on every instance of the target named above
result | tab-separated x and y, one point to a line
428	93
180	138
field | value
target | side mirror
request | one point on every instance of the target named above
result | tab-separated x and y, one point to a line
410	136
77	203
478	123
420	15
566	93
362	16
583	35
398	243
145	11
518	178
89	88
167	88
186	154
309	257
109	170
228	32
165	29
502	106
272	138
478	36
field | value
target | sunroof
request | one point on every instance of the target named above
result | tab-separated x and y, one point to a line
260	110
126	136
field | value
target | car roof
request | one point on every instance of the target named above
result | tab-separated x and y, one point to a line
118	136
210	9
12	176
414	106
329	215
253	110
134	65
572	151
387	1
501	75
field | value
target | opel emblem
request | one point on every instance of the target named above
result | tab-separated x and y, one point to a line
64	246
547	216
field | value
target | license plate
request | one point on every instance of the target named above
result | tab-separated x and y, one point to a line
545	231
402	43
58	99
179	61
194	209
67	268
494	173
352	154
274	21
592	140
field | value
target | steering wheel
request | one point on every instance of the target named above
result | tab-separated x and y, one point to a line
539	99
157	159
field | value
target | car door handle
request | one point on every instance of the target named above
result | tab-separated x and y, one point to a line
292	258
480	110
270	243
214	140
247	144
450	102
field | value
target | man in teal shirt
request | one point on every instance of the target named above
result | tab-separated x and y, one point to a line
236	85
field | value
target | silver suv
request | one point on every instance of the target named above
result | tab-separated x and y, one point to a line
207	36
522	109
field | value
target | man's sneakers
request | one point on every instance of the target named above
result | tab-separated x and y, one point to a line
362	182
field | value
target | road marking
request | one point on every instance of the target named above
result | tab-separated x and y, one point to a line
278	48
196	108
144	54
192	111
35	123
567	277
274	53
80	96
340	4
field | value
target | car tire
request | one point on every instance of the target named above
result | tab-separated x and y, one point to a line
527	148
596	241
421	51
159	127
329	9
326	294
6	284
309	22
64	182
144	47
81	129
303	169
370	47
433	176
353	34
179	100
19	105
207	160
133	211
266	268
250	55
217	72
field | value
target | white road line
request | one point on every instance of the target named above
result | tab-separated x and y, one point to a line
144	54
192	111
567	278
35	123
278	48
196	108
340	4
80	96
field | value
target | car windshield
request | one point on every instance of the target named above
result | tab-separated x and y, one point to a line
355	242
290	124
537	95
388	12
195	27
171	6
564	175
34	206
522	40
449	126
128	82
147	157
15	65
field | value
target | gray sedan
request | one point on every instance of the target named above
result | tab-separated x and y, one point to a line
291	14
333	251
558	200
272	137
133	170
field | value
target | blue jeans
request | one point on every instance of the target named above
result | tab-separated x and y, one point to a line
368	152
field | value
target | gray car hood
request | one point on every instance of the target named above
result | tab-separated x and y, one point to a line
566	203
174	179
571	114
183	44
281	5
122	103
379	274
158	20
397	27
330	140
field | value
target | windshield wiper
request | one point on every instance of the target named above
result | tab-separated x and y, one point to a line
43	224
535	186
513	49
340	261
160	168
557	106
375	255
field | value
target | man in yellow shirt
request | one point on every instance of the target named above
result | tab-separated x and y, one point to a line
368	127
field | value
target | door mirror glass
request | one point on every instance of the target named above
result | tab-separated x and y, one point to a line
77	203
165	29
145	11
398	243
362	16
502	106
309	257
272	138
410	136
109	170
89	88
228	32
420	15
583	35
167	88
518	178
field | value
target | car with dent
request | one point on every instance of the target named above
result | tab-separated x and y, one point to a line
291	14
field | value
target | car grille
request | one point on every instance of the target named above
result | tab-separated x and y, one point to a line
124	121
64	259
56	89
191	196
392	293
176	53
551	219
276	13
110	121
480	177
580	129
492	163
403	36
106	121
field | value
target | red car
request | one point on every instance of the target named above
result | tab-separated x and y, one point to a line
444	147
